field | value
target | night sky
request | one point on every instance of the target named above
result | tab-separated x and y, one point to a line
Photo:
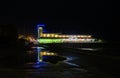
71	17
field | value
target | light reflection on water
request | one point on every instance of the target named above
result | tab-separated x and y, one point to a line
38	51
36	68
38	47
69	59
41	64
89	49
44	55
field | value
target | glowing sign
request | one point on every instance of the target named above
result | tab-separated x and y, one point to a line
50	40
69	40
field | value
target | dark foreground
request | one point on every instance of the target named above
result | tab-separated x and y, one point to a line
88	62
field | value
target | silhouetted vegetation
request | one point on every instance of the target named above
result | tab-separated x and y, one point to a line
12	49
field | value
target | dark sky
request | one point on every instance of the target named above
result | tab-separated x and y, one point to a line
82	16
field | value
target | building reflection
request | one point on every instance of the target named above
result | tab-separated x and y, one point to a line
47	56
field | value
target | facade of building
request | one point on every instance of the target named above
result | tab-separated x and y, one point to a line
62	38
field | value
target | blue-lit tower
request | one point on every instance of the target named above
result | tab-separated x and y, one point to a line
40	29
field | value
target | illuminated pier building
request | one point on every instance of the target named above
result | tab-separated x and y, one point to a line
62	38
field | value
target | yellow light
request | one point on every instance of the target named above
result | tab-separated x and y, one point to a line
67	35
48	53
89	36
48	35
56	35
41	53
44	53
85	36
52	35
20	36
63	35
81	36
43	35
52	53
60	36
78	35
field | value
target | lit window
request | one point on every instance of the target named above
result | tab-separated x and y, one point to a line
56	35
60	36
48	53
44	35
52	35
89	36
78	35
52	54
48	35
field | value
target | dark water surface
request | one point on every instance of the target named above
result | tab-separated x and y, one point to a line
81	62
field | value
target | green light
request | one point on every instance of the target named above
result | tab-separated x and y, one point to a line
50	40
